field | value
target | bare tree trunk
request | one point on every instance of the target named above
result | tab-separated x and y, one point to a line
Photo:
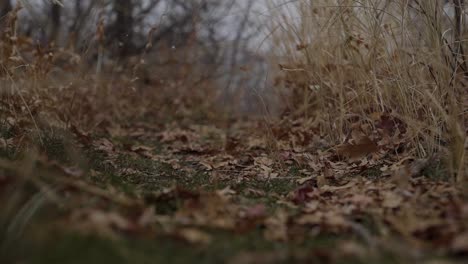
123	27
5	7
77	12
459	6
55	16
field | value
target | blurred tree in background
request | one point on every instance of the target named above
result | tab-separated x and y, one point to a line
129	24
212	33
5	7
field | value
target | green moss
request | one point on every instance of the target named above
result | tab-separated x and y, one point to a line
278	186
372	173
54	145
9	152
7	132
436	171
96	160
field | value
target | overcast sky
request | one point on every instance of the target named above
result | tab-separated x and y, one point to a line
258	13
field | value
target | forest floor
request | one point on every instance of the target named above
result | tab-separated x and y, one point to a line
188	188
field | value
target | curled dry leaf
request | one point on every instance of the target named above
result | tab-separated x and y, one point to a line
301	181
104	144
143	151
226	192
73	171
215	163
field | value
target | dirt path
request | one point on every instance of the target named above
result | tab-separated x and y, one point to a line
144	193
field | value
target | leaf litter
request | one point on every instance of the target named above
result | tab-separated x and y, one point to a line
206	181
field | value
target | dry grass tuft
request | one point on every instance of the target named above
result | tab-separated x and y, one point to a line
345	59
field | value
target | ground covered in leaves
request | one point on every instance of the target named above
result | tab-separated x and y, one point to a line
139	183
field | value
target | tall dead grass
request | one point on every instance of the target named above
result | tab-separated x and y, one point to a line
348	58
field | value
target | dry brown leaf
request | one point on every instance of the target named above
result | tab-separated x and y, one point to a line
105	145
3	143
143	151
335	219
322	181
210	164
226	192
256	143
101	222
352	249
147	217
310	219
363	148
255	212
194	236
276	226
301	181
460	243
336	188
403	174
391	200
265	161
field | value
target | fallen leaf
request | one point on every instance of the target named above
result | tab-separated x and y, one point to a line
363	148
301	195
143	151
255	212
322	181
301	181
352	249
101	222
194	236
460	244
276	226
391	200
